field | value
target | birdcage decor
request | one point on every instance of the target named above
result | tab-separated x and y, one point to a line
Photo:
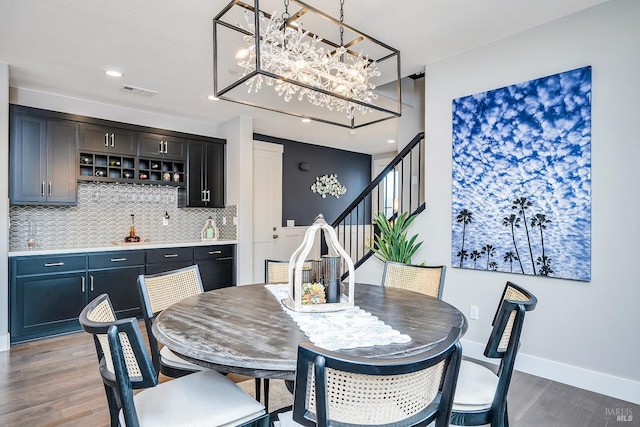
337	298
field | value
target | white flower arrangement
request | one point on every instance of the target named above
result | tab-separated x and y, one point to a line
328	184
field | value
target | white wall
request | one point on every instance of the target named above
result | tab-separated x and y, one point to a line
584	334
4	206
239	180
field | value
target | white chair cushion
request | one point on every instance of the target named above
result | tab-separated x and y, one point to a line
475	389
205	398
169	358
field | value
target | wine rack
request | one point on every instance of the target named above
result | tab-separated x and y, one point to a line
114	168
161	171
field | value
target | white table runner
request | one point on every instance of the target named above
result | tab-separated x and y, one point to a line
345	329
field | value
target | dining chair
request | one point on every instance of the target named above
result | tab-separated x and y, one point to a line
428	280
277	271
205	398
481	394
337	389
159	291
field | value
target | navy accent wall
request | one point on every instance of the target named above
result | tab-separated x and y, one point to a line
302	205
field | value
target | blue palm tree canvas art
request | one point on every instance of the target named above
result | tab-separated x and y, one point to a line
521	183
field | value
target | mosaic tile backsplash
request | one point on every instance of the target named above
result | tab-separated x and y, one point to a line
103	214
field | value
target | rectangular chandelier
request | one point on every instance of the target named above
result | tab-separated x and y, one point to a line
289	57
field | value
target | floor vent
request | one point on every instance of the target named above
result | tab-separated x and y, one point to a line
137	91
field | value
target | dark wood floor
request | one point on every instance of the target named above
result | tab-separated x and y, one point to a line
55	382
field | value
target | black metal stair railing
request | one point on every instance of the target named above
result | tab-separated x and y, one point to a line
397	189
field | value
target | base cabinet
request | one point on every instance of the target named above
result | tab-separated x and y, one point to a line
48	292
216	265
47	295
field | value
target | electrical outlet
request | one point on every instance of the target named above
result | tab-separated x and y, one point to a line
165	221
224	220
473	312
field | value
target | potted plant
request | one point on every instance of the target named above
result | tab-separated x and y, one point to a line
391	243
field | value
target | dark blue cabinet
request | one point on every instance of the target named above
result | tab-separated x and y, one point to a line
48	292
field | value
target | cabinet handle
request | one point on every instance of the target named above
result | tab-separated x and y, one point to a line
208	196
170	255
160	147
42	189
53	264
204	195
165	147
214	252
91	283
106	139
82	283
49	188
117	259
113	140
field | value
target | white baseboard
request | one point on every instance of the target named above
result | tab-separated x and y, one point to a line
598	382
5	341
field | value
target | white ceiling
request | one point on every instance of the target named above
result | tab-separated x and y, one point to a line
63	47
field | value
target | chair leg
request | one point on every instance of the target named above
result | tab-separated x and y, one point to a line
258	389
114	406
265	383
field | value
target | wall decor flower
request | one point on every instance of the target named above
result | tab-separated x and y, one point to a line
328	184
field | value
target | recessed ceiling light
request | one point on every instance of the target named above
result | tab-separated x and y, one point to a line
113	73
305	120
212	98
391	141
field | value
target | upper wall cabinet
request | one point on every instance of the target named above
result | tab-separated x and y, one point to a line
43	153
162	146
107	139
205	185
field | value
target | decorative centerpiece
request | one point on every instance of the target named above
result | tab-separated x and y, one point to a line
324	293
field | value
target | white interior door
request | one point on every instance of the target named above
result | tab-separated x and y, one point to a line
267	205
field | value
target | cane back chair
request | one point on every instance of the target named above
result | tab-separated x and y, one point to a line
428	280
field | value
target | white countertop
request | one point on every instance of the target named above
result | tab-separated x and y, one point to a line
115	247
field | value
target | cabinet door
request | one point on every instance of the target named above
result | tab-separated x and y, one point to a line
46	304
62	152
162	146
195	184
122	287
94	138
107	140
28	156
216	273
215	175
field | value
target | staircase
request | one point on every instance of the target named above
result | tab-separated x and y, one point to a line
397	189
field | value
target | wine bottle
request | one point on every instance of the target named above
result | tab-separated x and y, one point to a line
132	238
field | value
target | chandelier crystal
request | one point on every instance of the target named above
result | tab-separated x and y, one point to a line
293	53
304	63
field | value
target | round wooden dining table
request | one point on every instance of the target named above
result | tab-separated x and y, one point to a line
245	330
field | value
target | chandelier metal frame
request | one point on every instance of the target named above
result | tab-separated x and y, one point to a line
313	76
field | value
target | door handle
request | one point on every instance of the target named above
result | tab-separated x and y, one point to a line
42	189
106	139
165	147
91	283
50	188
204	195
275	236
82	283
160	147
